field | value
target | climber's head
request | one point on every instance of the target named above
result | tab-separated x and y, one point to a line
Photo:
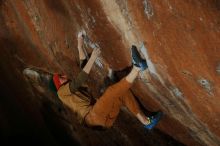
59	80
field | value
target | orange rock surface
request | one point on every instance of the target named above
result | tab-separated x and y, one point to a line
182	39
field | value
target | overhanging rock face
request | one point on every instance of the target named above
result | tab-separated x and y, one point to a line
179	39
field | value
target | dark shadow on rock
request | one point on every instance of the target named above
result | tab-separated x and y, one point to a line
57	127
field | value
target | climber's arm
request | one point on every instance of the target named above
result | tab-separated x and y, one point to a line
91	61
83	75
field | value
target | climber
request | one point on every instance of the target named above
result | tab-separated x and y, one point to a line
104	111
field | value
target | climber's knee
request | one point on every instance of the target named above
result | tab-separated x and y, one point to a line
93	120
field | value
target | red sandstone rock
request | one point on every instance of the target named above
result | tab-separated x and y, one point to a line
181	37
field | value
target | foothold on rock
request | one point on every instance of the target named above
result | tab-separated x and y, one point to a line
177	92
99	62
148	10
206	85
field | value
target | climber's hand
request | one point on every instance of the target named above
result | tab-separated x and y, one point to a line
96	53
80	40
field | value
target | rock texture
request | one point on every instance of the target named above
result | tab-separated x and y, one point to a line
180	37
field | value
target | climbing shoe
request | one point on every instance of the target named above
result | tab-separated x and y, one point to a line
153	120
137	60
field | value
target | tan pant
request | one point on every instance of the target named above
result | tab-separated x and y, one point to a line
106	109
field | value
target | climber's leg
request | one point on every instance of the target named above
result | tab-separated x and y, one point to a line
130	102
106	109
